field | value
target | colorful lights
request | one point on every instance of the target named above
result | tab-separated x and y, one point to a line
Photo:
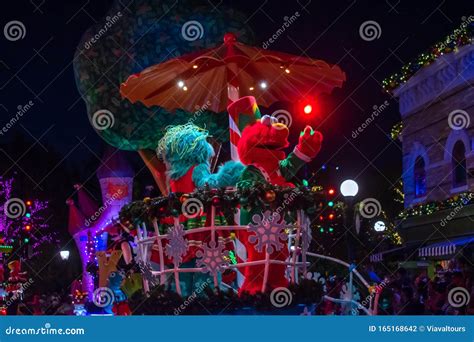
308	109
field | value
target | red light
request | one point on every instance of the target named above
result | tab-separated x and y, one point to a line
28	203
331	191
28	227
321	218
308	109
331	216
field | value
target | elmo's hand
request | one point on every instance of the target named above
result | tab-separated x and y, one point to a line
309	144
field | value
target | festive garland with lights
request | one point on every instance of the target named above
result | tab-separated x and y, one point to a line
461	199
258	195
460	37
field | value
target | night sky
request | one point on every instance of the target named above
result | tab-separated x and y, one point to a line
39	68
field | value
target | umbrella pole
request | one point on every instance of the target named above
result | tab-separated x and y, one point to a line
232	96
240	251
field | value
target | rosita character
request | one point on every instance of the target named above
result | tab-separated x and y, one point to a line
187	155
260	149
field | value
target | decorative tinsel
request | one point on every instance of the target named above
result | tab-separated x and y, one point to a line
460	37
459	200
260	195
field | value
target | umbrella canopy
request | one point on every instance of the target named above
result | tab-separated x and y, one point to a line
202	78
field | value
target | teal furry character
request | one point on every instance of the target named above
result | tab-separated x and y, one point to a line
187	155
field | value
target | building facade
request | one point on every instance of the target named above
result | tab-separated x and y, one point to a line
437	109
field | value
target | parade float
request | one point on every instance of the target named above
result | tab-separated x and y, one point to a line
238	238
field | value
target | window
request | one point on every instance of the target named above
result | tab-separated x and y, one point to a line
420	177
459	164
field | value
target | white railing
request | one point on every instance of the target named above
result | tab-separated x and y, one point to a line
298	243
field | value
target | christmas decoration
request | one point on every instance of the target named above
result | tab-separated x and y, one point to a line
22	222
460	37
269	232
178	245
212	257
429	208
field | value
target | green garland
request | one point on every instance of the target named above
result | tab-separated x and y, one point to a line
460	37
461	199
259	195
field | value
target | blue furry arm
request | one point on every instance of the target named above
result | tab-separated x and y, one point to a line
228	175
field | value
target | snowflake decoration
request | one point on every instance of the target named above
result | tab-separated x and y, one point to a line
212	257
146	269
177	245
269	231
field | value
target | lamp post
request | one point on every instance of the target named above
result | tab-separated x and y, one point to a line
349	189
64	255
